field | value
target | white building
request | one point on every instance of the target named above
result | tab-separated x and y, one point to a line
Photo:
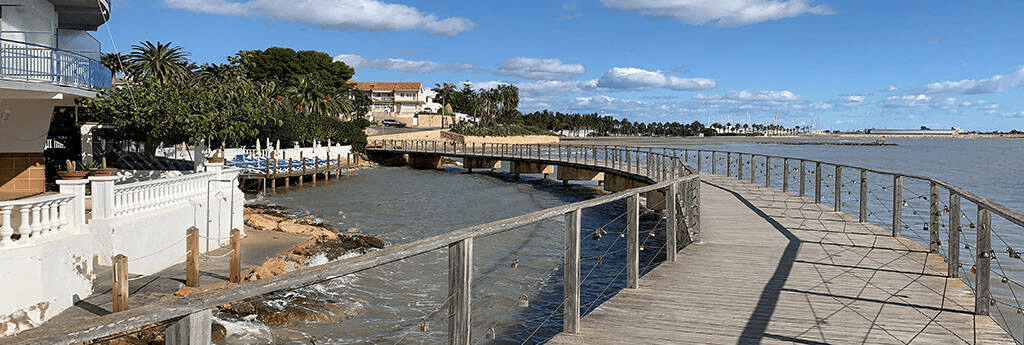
400	101
47	59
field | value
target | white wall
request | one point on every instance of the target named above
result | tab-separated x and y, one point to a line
42	279
80	42
24	124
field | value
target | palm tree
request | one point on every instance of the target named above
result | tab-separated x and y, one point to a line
161	61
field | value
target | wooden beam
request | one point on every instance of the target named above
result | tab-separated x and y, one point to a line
571	270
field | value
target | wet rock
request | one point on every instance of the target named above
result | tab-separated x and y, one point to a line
240	308
264	222
302	309
218	332
270	268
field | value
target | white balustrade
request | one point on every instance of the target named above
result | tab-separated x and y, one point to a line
133	198
35	218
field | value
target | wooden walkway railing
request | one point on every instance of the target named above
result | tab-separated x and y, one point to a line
675	180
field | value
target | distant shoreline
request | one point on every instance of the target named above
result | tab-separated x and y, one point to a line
769	140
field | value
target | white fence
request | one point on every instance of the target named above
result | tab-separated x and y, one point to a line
36	218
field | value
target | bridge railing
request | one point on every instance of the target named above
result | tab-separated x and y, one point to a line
950	221
680	188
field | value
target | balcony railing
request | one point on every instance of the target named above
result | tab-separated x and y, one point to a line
33	62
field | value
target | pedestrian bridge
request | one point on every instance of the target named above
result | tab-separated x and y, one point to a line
757	249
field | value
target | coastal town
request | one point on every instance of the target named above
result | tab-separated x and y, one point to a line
293	193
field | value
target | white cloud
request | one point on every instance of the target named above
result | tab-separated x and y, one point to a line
995	84
631	78
403	65
907	101
762	96
539	69
343	15
727	13
891	88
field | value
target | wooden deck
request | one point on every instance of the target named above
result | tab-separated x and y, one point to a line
777	268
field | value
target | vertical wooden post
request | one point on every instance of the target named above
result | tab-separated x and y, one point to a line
817	182
120	286
863	195
288	174
571	288
302	174
953	266
753	168
714	163
192	257
633	242
671	228
897	204
194	329
785	175
839	189
982	292
699	163
728	164
803	178
933	219
460	275
236	256
767	171
739	167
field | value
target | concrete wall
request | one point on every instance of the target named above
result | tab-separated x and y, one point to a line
577	174
24	124
42	279
532	168
80	42
37	16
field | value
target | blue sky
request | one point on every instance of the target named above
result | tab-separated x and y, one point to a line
838	64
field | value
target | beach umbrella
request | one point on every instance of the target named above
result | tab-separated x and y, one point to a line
257	146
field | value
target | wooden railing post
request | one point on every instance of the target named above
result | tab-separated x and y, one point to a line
194	329
120	285
953	262
571	314
671	228
633	242
933	221
728	164
838	189
236	256
897	204
785	175
982	292
767	171
753	168
714	163
192	257
803	178
700	169
460	276
739	167
817	182
863	195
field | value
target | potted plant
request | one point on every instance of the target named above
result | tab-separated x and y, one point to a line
103	170
216	158
72	173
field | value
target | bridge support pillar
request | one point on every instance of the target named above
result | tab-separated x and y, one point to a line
616	183
576	174
532	168
424	161
480	163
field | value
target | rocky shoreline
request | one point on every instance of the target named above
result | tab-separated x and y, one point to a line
325	242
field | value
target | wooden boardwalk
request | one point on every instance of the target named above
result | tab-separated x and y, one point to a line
777	268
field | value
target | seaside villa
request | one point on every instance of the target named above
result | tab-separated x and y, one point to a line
403	101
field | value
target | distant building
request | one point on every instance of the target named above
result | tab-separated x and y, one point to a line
47	59
400	101
924	131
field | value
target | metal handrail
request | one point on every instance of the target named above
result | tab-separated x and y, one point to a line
35	62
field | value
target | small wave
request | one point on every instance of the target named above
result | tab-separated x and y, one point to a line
245	331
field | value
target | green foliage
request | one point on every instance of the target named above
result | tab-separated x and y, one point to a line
284	65
160	61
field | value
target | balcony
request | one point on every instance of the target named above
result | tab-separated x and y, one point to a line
37	63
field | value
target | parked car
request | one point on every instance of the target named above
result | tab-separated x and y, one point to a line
392	123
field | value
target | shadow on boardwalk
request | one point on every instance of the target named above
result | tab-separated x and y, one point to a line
777	268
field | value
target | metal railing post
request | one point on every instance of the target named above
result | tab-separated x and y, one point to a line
982	292
897	204
571	290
